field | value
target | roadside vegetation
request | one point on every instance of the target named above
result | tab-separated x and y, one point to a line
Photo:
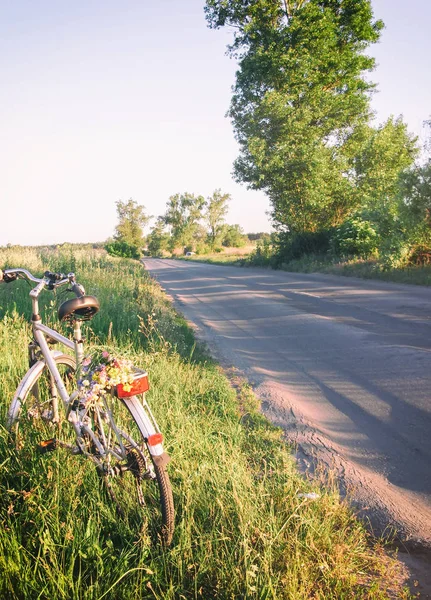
223	256
244	528
372	268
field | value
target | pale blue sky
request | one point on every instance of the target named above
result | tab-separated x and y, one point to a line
102	100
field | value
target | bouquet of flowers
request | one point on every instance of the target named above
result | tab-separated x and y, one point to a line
100	373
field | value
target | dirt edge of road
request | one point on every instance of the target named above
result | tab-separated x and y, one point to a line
372	509
372	498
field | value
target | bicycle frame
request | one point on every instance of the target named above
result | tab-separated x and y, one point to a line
144	418
39	332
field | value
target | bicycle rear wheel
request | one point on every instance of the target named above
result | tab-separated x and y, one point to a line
135	483
37	414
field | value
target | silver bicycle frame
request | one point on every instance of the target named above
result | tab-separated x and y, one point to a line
40	331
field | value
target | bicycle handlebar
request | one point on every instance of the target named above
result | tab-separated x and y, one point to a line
51	280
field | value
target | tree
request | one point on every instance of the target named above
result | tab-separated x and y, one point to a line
131	221
123	249
158	239
300	94
233	236
183	215
378	157
383	154
415	196
216	210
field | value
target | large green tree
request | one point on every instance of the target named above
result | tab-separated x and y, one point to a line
183	215
131	222
216	209
300	94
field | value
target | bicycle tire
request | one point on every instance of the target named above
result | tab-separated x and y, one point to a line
167	501
156	506
31	415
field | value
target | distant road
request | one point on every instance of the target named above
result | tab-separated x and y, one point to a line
343	365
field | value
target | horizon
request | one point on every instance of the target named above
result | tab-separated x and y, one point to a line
102	103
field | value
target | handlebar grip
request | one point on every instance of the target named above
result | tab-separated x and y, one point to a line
8	277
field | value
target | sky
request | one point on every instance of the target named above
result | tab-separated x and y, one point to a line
103	100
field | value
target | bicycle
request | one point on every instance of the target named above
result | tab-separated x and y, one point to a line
119	433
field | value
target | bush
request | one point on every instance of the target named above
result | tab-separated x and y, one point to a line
293	246
263	254
123	249
420	255
355	237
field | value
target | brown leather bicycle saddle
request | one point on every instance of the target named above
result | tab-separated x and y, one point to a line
83	308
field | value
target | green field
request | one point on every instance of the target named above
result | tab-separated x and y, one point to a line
242	529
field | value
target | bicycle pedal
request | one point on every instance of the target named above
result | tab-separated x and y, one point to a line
47	446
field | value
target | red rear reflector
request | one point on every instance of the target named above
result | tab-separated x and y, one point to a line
139	386
48	443
156	438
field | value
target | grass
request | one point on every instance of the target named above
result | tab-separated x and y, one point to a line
242	531
216	259
365	269
416	275
228	256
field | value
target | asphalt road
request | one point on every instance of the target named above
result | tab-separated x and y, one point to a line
343	365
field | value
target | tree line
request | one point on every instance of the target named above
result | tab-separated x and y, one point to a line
190	223
301	114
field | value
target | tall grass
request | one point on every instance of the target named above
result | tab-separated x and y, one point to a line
242	530
355	267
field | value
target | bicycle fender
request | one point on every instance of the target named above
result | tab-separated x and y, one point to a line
145	421
24	387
